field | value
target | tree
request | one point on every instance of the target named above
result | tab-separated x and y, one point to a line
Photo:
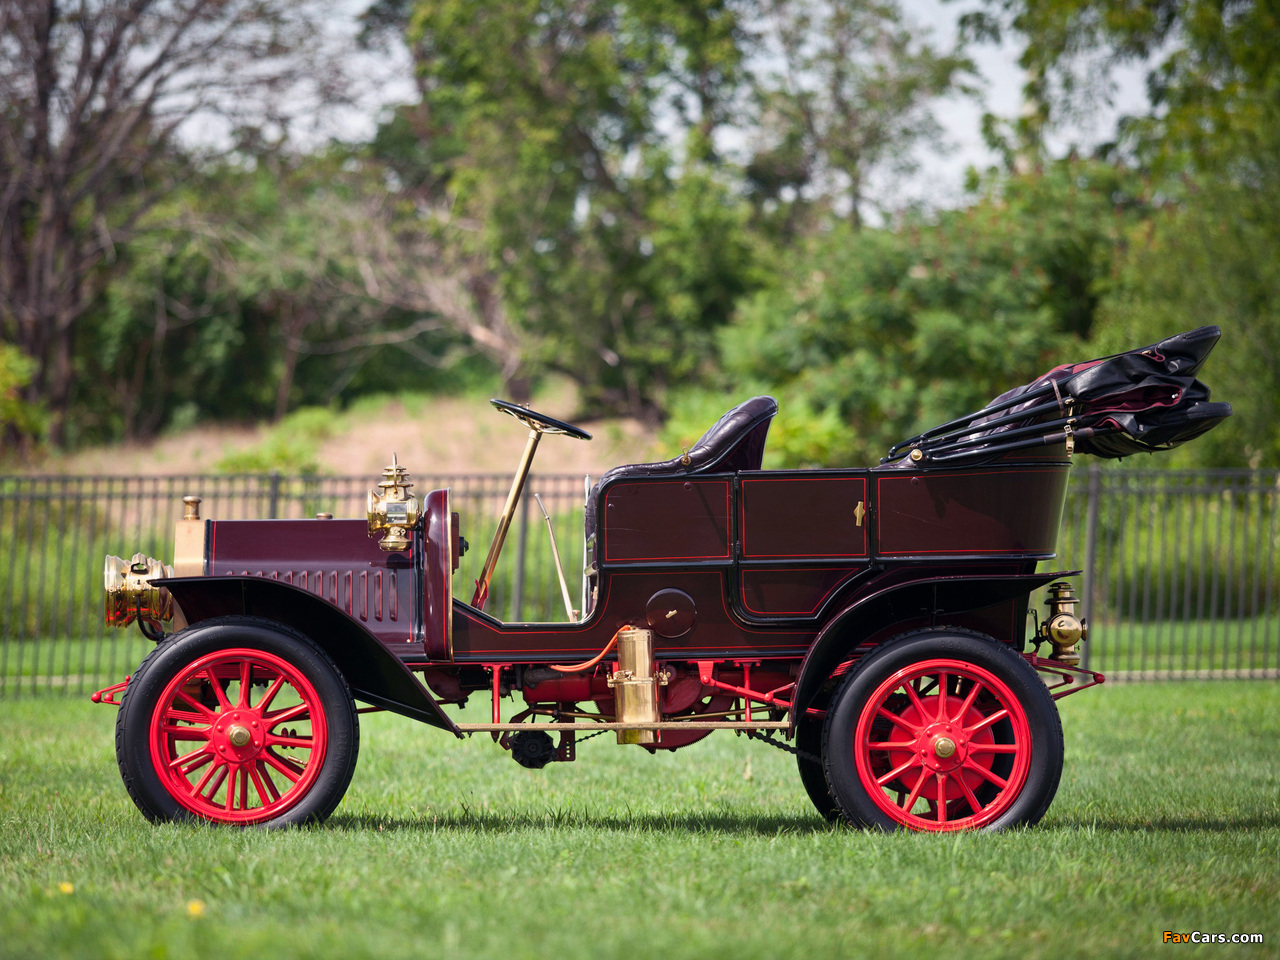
17	416
561	134
851	95
259	286
1211	258
583	142
1211	147
93	95
1213	78
868	336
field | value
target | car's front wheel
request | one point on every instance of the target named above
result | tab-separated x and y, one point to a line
237	720
943	729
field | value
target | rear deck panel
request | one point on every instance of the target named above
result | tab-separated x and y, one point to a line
1012	511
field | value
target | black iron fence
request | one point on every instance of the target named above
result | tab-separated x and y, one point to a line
1179	570
1179	567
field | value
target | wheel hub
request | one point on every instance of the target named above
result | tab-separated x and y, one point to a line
239	735
942	746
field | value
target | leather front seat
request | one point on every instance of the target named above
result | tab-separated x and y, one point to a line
735	442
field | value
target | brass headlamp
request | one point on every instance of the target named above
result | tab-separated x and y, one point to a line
1063	629
391	509
130	594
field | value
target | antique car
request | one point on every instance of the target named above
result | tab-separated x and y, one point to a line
872	622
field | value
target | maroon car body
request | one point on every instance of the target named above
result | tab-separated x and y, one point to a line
874	622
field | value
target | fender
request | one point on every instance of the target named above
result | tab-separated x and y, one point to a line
373	672
943	595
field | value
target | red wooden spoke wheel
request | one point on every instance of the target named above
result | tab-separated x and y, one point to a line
237	720
943	730
945	736
254	751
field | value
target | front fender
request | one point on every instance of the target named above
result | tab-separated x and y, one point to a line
897	603
373	672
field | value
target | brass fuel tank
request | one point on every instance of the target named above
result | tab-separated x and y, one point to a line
635	685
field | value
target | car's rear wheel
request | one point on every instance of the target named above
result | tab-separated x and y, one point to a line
812	774
237	720
941	730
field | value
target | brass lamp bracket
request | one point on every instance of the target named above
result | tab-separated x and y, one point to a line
1062	628
391	510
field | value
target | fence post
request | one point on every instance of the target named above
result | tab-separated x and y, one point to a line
1091	548
273	511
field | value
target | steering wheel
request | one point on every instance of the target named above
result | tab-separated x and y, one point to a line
540	421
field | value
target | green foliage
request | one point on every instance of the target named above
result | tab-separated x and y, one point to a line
245	298
867	337
18	415
1214	258
291	446
564	199
845	90
616	255
1213	151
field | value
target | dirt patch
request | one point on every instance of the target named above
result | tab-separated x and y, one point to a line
465	436
445	435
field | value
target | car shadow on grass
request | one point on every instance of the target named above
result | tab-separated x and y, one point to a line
707	823
745	825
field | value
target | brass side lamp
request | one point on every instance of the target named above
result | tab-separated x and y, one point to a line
392	511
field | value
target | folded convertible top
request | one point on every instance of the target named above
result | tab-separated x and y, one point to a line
1141	401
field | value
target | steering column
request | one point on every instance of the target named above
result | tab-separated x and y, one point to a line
538	424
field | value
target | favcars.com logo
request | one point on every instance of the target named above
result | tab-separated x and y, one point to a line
1198	937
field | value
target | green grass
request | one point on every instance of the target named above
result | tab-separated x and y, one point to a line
1168	818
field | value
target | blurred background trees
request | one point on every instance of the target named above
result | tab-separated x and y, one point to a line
671	204
92	95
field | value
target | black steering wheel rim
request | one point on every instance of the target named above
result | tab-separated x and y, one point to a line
540	421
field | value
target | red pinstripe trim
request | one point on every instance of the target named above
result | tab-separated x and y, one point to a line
728	516
789	556
880	481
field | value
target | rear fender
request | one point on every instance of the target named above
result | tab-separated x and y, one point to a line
373	672
939	596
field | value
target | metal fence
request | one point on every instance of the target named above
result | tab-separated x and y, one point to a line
1179	567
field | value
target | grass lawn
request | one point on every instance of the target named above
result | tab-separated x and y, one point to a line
1168	818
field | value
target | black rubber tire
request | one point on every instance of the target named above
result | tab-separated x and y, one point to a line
953	643
812	772
133	754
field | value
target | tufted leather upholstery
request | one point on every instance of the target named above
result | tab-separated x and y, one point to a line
735	442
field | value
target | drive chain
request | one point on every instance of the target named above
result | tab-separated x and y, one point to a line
784	747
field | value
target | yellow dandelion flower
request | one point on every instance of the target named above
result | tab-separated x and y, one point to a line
195	908
67	887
